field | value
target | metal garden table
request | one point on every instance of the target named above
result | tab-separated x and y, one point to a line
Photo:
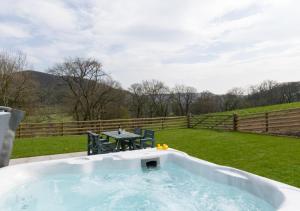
123	136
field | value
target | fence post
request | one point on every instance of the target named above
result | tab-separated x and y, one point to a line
19	131
162	123
62	128
78	128
99	126
235	122
188	116
267	121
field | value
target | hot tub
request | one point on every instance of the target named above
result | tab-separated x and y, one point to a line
139	180
4	121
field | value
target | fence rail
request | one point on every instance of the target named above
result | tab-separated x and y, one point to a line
283	122
80	127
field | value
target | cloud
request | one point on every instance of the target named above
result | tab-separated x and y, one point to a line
204	53
240	13
9	30
212	45
147	33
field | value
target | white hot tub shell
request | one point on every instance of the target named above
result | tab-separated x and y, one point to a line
281	196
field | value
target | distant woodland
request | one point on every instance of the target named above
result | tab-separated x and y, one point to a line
79	89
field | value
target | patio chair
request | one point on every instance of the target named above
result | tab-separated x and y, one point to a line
147	140
98	145
138	131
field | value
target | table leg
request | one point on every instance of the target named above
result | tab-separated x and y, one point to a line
132	143
122	145
118	145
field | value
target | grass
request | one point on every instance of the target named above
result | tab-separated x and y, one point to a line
269	156
28	147
48	114
273	157
55	117
54	114
262	109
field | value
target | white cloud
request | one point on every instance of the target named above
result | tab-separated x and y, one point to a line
208	44
8	30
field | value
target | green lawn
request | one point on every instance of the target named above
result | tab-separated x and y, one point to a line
269	156
28	147
262	109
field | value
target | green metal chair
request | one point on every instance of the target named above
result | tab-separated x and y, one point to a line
138	131
147	140
97	145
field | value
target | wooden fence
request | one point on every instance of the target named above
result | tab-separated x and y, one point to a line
80	127
283	122
212	121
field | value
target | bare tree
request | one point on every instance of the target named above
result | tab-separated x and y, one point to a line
265	93
233	99
289	92
207	102
183	97
91	89
158	97
107	100
138	99
16	88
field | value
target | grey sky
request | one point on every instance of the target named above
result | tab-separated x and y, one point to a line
211	45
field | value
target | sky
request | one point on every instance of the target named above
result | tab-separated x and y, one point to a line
208	44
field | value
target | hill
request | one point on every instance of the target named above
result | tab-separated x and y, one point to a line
53	105
52	102
262	109
44	79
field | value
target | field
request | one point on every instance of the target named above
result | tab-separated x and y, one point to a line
48	114
269	156
262	109
53	114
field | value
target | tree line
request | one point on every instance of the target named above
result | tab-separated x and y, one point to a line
86	92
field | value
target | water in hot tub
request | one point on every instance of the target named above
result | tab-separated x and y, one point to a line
169	188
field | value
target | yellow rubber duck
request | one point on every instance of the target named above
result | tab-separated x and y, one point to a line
159	147
165	146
